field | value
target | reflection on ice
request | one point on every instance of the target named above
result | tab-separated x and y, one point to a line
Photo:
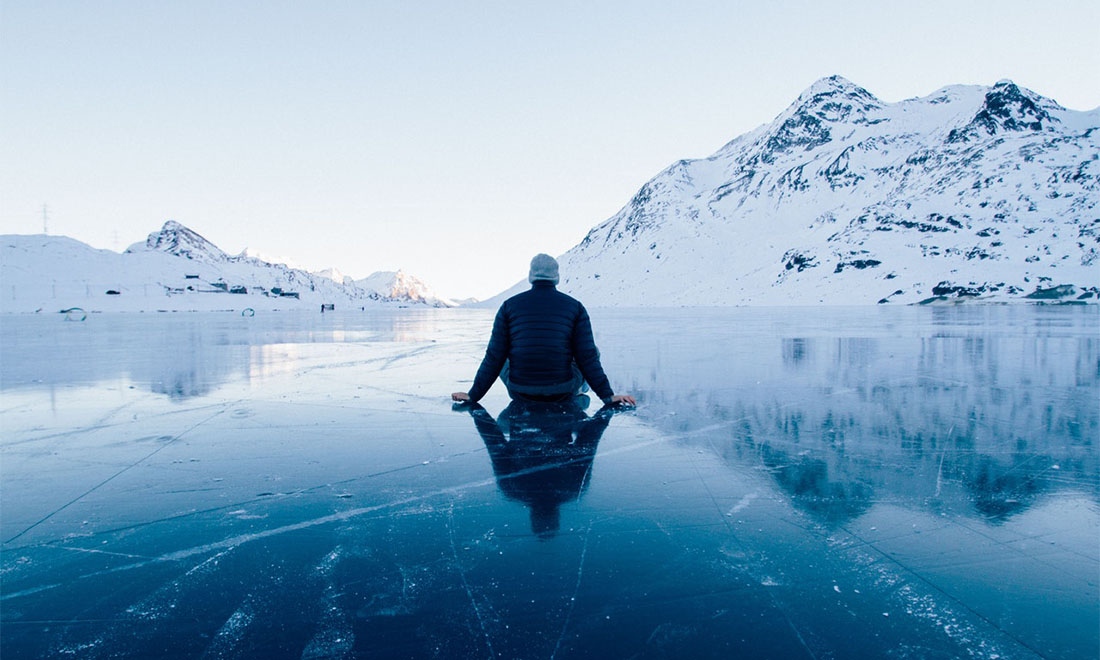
186	355
542	454
795	483
981	422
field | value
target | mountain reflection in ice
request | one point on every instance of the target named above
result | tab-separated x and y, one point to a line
948	412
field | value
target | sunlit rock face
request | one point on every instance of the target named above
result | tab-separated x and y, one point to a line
989	192
399	285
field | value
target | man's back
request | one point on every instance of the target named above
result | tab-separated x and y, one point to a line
541	333
541	323
545	337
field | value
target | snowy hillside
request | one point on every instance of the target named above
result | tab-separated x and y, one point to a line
336	275
174	269
400	285
971	192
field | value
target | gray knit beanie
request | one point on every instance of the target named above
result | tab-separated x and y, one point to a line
543	267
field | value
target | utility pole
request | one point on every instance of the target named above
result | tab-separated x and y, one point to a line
114	237
45	219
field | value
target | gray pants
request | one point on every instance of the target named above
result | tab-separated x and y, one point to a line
574	387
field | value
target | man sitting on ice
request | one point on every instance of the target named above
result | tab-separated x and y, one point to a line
542	346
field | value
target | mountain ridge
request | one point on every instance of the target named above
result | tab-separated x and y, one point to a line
174	269
970	192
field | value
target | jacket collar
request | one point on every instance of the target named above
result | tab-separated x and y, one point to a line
542	284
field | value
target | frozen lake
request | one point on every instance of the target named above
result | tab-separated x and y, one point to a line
819	483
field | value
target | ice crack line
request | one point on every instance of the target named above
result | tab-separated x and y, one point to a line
573	598
465	582
887	557
729	528
110	478
241	539
939	472
99	427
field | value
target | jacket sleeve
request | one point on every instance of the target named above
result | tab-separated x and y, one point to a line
588	357
495	355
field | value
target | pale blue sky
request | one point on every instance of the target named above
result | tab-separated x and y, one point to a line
451	139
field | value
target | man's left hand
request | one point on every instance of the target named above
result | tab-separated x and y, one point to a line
460	396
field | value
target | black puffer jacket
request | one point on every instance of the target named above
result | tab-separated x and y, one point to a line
541	332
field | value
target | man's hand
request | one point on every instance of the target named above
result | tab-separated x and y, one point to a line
623	398
460	396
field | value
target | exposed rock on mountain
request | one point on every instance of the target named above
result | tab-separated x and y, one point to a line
175	239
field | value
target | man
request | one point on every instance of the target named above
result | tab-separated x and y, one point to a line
542	346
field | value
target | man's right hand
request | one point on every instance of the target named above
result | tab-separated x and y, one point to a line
460	396
623	399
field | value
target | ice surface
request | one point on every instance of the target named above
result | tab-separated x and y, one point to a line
905	482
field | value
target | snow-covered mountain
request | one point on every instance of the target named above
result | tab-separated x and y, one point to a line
970	192
174	269
399	285
175	239
336	275
269	258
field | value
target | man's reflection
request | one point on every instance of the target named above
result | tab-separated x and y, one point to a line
542	453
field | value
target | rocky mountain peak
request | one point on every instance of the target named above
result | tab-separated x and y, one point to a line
831	86
1005	108
808	122
835	98
175	238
